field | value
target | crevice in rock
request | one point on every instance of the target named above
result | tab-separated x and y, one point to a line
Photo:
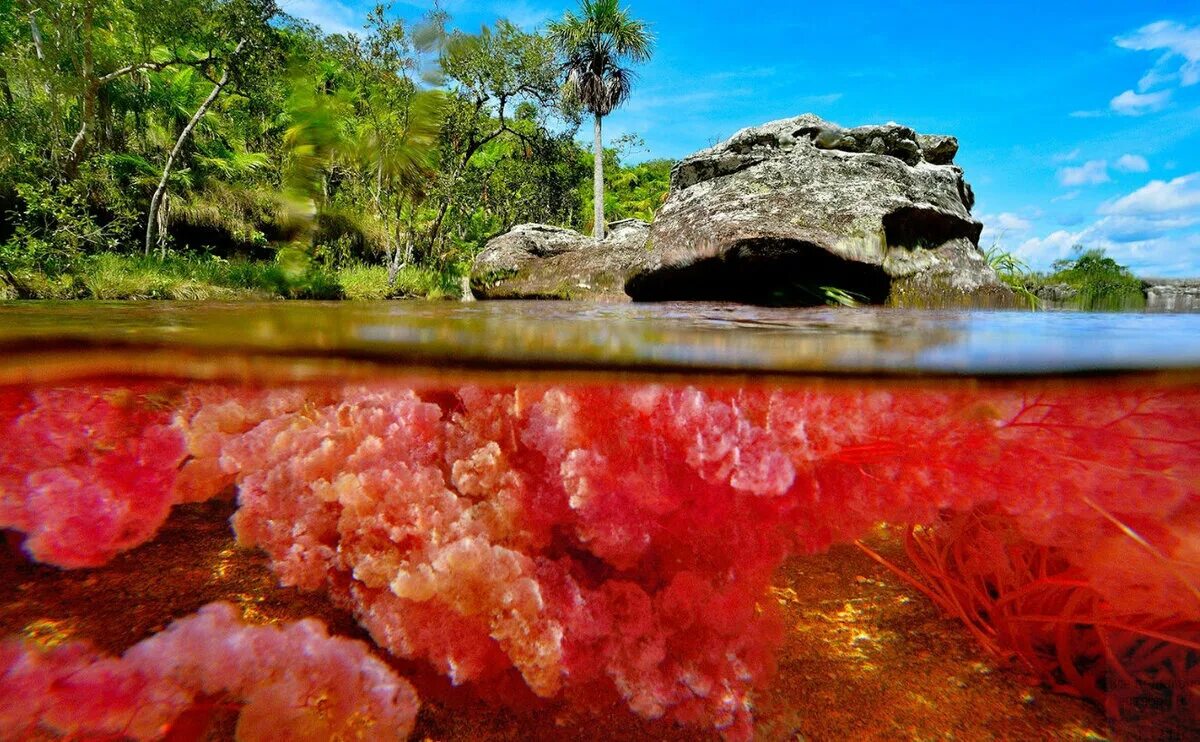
767	272
914	227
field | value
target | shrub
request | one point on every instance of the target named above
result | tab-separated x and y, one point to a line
1102	284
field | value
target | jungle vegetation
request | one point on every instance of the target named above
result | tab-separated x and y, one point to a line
220	148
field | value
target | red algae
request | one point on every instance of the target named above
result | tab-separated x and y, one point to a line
605	540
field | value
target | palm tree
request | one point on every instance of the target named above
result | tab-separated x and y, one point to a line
596	44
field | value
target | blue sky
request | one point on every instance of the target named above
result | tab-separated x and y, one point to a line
1079	122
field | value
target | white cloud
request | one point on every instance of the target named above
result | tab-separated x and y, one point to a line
1160	254
1087	114
1130	103
1153	230
1069	196
1012	223
1180	45
999	228
1132	164
1160	197
1066	156
1092	172
331	15
1040	252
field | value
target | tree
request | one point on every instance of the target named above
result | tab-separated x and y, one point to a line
248	20
368	129
597	44
491	75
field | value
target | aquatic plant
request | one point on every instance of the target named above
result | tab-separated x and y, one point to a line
1029	603
616	540
87	473
291	682
1014	272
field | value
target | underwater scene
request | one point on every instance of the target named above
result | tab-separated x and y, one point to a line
461	522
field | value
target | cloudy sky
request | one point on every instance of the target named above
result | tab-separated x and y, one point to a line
1079	121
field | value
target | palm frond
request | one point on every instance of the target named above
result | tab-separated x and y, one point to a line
597	44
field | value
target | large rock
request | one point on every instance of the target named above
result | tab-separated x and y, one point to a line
799	210
535	261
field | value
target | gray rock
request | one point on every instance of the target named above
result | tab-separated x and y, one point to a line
1172	294
535	261
786	212
937	149
1056	294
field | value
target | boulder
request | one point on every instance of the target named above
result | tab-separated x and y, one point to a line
535	261
799	210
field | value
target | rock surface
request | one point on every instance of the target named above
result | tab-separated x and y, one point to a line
535	261
790	211
1172	295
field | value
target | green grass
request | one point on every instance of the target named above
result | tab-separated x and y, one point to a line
364	283
113	277
1102	284
1015	274
370	283
420	282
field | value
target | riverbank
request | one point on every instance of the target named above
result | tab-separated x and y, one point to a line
114	277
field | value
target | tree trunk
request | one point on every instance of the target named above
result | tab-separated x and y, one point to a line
598	185
156	200
37	36
90	88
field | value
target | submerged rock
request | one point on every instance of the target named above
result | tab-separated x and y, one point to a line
536	261
797	210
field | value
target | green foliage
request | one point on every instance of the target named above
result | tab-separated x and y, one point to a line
325	162
836	297
423	282
639	191
364	282
1102	284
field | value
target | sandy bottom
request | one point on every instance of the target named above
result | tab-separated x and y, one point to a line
866	657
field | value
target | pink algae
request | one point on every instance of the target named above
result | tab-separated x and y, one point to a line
598	539
293	682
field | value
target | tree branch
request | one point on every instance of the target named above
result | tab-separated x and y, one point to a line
156	200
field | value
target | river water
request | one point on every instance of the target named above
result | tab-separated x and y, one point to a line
571	521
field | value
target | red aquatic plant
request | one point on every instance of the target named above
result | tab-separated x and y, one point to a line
598	539
1029	603
87	472
290	682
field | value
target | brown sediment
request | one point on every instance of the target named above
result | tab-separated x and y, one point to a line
865	655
